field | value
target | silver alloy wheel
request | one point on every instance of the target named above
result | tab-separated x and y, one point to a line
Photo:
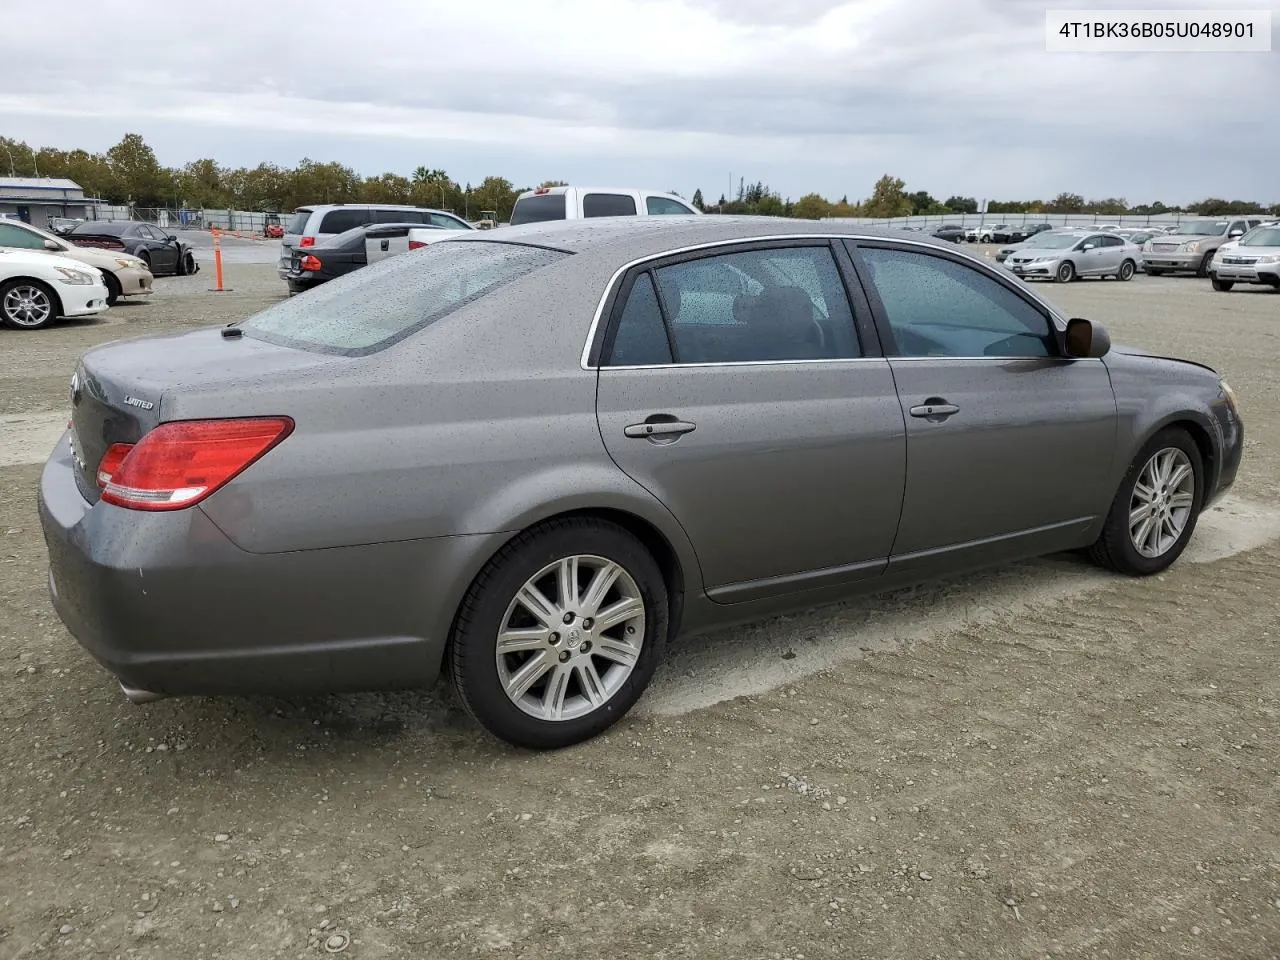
570	638
1126	270
1162	500
27	306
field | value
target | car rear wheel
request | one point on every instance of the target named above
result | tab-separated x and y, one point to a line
560	633
1126	270
1066	272
1222	286
1156	508
28	304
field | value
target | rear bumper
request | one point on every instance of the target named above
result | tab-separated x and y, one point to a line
168	604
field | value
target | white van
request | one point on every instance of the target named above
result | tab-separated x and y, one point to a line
574	203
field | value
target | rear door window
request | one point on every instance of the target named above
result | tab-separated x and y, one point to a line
443	220
608	205
399	216
539	209
348	218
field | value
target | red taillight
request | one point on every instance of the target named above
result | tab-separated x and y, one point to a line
307	242
541	190
178	464
111	461
310	262
416	244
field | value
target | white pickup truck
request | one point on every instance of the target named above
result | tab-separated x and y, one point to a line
575	203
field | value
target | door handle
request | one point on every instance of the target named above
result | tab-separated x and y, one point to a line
659	428
386	244
935	408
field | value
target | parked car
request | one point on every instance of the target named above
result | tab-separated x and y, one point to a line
1008	234
575	203
1032	241
314	224
1066	256
1253	259
163	253
1191	248
63	225
37	287
951	232
530	457
1033	229
356	248
125	275
987	232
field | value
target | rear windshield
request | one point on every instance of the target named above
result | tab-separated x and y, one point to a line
538	209
298	222
97	226
378	305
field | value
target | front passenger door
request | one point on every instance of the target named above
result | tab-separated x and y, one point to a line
1009	443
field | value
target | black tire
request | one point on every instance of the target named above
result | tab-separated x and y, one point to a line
1126	270
1066	272
113	288
55	305
1205	262
1153	271
145	258
1222	286
472	656
1114	548
186	265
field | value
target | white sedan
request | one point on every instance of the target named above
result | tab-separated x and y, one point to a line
38	287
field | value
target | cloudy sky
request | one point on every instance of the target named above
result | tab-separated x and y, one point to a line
954	96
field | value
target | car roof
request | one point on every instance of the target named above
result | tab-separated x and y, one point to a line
357	205
552	191
635	237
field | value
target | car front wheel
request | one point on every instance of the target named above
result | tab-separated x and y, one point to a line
560	634
1066	272
1222	286
28	304
1156	508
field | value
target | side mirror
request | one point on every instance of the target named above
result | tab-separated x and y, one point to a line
1235	233
52	245
1084	338
1088	246
172	238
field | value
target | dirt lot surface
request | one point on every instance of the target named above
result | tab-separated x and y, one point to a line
1041	761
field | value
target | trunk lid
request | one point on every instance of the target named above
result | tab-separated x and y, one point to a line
118	390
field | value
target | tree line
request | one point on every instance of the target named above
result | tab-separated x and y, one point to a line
129	173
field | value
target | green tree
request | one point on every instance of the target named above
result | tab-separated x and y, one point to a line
1066	203
888	199
961	204
697	199
812	206
387	188
138	173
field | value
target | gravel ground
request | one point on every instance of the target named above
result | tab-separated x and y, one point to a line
1040	761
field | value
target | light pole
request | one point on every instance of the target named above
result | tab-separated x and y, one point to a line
10	153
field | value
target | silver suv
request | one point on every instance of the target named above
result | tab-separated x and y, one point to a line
1192	244
309	225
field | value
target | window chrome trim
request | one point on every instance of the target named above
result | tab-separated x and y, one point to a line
584	361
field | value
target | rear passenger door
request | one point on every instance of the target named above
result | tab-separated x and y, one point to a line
737	388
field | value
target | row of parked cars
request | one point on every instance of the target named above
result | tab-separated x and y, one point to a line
1228	251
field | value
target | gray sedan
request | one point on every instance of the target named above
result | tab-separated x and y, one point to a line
532	457
1067	256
